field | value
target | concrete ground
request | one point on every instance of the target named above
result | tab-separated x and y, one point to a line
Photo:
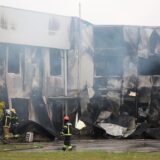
137	145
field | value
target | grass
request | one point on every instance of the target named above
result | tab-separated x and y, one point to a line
86	155
7	147
8	152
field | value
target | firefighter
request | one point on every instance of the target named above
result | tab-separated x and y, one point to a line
2	105
67	133
14	123
6	124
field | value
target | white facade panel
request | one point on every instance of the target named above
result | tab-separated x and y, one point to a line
34	28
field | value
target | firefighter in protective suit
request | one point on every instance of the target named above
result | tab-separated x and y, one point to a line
67	133
14	123
10	124
6	124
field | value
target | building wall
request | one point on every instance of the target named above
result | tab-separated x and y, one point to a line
127	61
42	67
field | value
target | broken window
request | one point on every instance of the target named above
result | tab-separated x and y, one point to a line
109	65
2	59
154	42
108	37
53	25
2	53
14	59
21	107
3	22
109	50
55	62
149	66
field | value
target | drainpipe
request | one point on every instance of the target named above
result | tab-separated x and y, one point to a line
79	49
6	79
65	81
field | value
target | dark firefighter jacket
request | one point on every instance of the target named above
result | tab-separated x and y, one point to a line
14	119
67	129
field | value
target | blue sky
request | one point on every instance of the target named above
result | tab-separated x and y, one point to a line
125	12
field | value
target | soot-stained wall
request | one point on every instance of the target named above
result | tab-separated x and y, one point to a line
127	75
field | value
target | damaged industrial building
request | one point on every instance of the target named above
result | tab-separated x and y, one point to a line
106	78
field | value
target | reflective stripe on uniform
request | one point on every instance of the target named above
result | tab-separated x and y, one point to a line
6	120
68	130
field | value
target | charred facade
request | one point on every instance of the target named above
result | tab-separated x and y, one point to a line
127	62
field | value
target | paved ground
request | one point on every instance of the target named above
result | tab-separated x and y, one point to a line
105	145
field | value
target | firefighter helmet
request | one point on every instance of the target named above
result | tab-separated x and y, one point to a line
8	111
66	118
13	110
2	104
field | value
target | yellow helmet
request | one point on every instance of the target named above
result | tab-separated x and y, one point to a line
13	110
2	104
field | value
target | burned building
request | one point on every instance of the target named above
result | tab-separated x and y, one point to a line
127	71
42	63
106	78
